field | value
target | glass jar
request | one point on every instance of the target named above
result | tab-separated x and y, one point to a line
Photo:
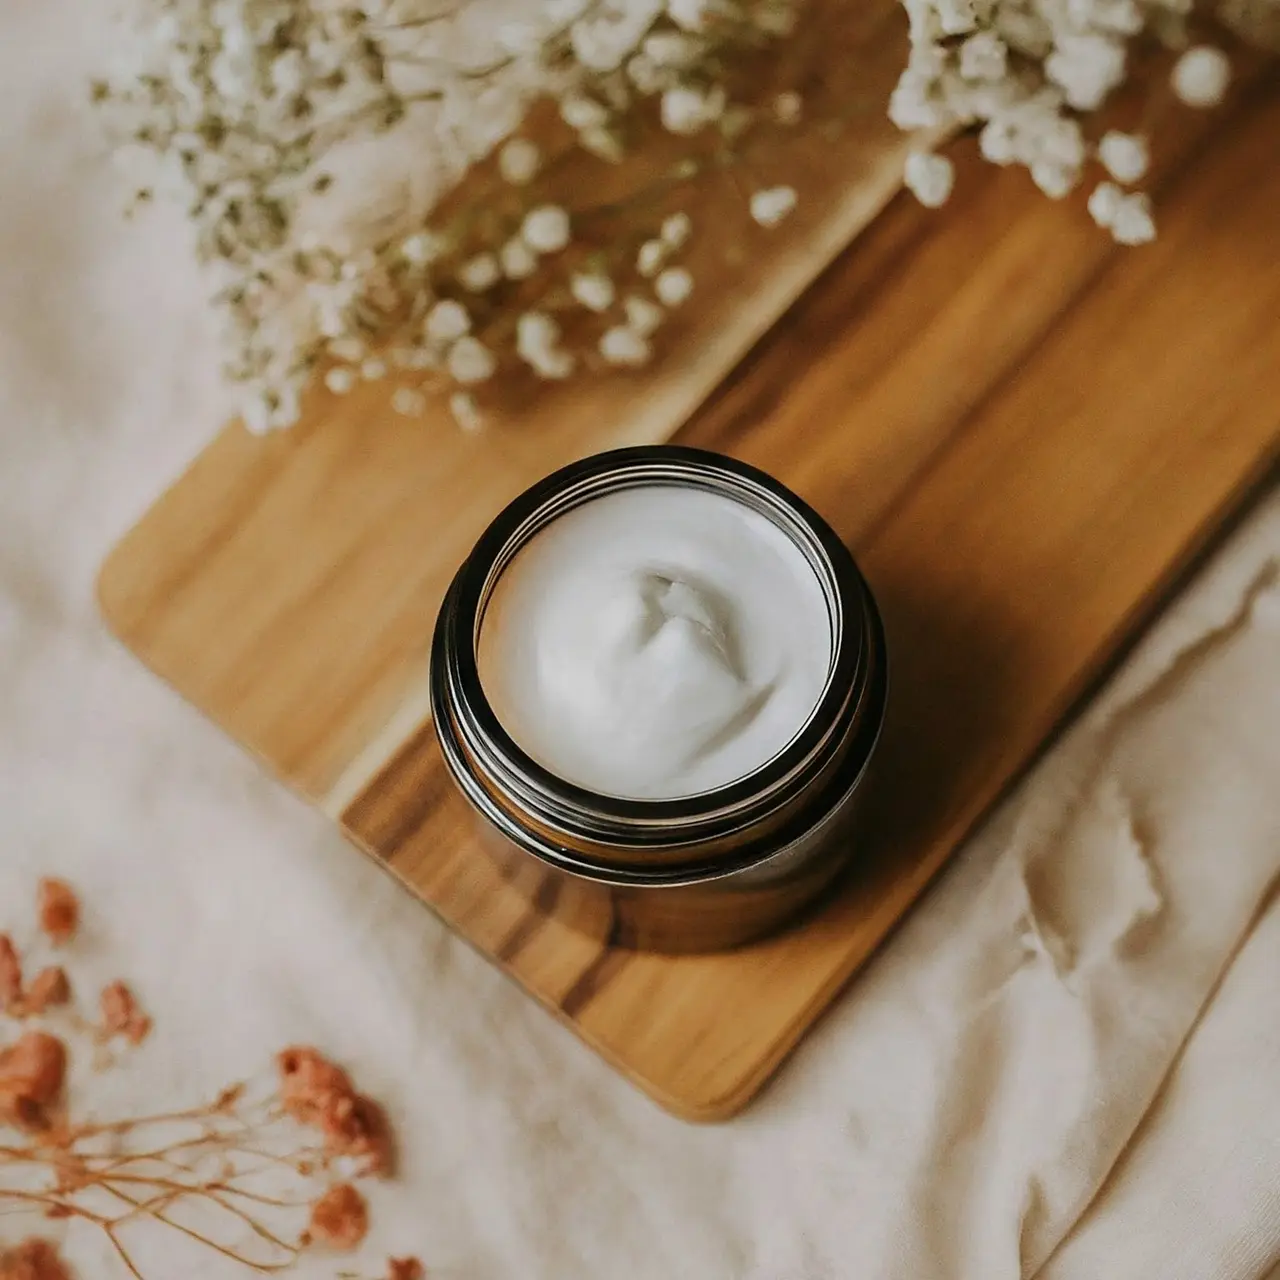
698	872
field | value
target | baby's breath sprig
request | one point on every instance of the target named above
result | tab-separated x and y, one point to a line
1027	74
251	108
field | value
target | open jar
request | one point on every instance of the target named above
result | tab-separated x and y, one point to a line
659	679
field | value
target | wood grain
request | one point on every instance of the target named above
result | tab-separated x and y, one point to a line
1022	431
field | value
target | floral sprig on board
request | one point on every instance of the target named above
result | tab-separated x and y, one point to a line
1028	74
250	107
259	114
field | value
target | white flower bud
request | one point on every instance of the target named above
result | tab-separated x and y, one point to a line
691	15
1086	68
447	321
983	56
1104	203
554	366
1123	155
650	258
673	286
536	334
519	262
643	317
583	113
624	347
339	380
1201	76
372	369
464	410
1054	180
956	16
518	161
770	206
479	273
686	110
675	230
593	290
929	178
470	361
1133	223
546	228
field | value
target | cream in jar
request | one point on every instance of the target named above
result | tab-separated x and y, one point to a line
656	643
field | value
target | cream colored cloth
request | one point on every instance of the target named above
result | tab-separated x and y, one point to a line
1078	1028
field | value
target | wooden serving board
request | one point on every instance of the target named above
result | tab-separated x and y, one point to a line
1023	431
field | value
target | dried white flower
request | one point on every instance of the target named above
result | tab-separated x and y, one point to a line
673	286
624	347
339	380
686	110
554	366
1201	76
929	178
1123	155
1086	67
479	273
770	206
1055	180
464	410
1104	203
447	321
649	259
470	361
518	161
536	334
1132	223
675	230
983	56
546	228
407	401
582	113
643	317
537	344
244	100
593	290
519	262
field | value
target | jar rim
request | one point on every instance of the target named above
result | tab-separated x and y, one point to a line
636	820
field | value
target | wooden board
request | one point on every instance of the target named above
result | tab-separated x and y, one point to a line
1023	432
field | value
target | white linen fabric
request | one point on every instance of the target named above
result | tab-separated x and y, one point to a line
1065	1064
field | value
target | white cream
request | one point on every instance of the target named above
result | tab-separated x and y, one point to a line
655	643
